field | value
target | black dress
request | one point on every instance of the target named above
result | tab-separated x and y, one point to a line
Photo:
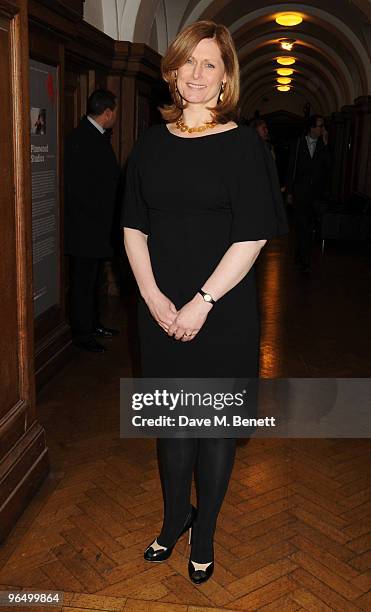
194	197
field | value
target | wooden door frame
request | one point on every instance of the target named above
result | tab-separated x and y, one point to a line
24	454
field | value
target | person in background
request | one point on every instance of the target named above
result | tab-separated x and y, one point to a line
91	180
307	183
262	129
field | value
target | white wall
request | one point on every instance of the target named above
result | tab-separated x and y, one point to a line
116	18
161	24
111	14
93	13
154	22
175	10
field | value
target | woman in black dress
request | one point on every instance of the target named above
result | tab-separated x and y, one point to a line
202	198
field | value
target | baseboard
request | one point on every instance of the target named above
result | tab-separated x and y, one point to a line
22	471
52	353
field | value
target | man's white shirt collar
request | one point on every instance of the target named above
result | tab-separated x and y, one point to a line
312	144
99	127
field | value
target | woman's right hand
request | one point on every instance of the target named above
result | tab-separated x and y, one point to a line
162	309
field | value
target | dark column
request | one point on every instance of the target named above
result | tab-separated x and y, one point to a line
337	144
349	152
362	178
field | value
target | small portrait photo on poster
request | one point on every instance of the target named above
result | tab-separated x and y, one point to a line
38	121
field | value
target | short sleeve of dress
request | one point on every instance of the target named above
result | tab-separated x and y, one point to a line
134	212
257	206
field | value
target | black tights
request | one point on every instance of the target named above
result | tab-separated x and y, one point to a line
213	460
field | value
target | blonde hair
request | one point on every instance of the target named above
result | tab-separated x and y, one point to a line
180	51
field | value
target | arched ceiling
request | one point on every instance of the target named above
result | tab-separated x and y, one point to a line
332	46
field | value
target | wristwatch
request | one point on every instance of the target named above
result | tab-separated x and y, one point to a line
207	297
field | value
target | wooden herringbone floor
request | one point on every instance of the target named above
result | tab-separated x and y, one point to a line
294	532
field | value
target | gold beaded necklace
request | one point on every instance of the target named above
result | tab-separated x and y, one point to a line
201	128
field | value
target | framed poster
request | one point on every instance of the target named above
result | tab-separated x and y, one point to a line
45	185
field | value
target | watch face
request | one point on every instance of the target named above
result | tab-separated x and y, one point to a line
207	297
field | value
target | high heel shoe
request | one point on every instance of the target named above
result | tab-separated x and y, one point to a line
150	554
199	576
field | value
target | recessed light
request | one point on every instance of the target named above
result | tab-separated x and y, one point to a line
289	19
283	87
284	81
285	71
286	60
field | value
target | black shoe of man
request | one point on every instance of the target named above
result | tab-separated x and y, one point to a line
90	344
105	332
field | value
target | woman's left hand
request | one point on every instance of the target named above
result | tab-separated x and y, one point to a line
190	319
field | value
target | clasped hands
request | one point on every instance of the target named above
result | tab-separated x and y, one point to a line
183	324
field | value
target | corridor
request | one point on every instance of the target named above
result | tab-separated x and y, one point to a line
85	85
294	532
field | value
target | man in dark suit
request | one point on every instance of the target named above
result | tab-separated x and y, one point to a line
307	183
91	179
260	125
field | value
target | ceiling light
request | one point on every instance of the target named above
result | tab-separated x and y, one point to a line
284	81
286	60
289	19
285	71
286	44
283	87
